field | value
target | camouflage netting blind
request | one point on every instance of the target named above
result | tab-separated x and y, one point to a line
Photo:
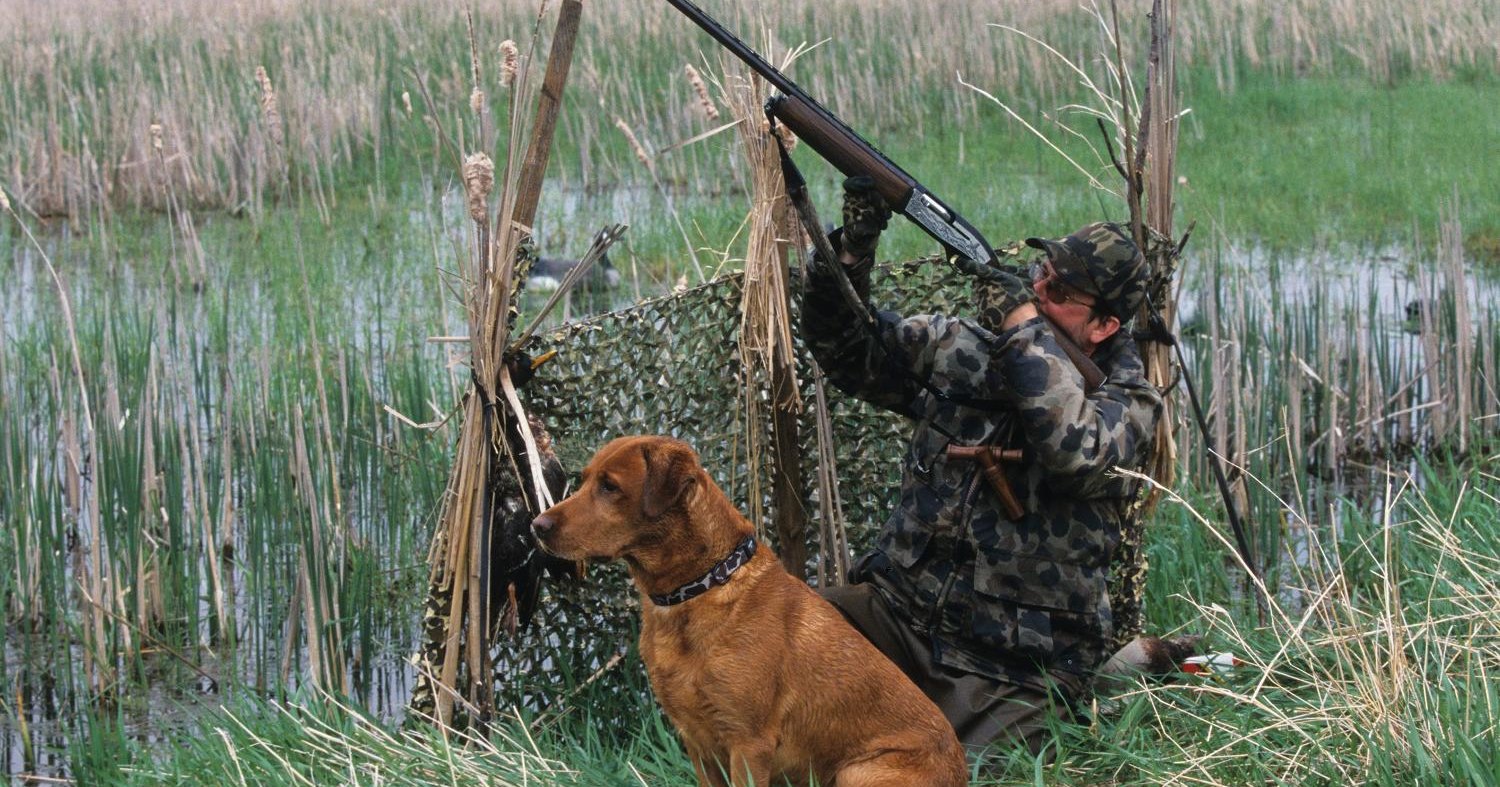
671	366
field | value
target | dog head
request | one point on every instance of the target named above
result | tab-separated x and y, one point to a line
633	496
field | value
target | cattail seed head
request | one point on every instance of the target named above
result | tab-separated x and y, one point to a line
476	101
406	102
635	144
4	201
509	58
788	139
268	104
479	177
155	130
704	100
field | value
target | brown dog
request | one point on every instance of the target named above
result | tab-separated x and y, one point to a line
763	679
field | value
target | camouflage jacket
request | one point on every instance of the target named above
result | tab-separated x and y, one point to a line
1024	602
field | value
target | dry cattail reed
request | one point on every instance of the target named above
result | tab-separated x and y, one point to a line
479	178
781	132
268	105
509	58
635	144
788	139
695	79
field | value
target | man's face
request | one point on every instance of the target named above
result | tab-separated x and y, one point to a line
1070	309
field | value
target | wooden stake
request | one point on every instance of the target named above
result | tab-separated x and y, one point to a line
549	104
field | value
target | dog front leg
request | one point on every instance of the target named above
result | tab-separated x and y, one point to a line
708	774
708	769
750	763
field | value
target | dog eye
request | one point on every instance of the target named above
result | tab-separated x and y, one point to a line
607	486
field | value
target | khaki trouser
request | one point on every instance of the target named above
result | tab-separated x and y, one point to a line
982	710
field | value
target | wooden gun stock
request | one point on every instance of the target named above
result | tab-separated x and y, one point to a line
1093	376
842	148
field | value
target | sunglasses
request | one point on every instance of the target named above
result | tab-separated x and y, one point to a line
1056	290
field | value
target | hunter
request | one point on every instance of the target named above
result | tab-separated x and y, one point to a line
1001	622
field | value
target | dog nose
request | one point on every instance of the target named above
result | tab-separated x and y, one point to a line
542	526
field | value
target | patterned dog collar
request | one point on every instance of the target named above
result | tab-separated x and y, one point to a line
718	575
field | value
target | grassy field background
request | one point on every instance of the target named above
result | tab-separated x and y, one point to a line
1311	121
253	268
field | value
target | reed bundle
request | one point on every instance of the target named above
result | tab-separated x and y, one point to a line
771	392
498	450
457	594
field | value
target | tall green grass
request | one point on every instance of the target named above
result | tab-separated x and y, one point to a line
344	75
243	511
1375	667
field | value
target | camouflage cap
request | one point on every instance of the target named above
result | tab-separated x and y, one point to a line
1100	260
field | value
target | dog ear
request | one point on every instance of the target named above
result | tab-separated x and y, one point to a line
670	471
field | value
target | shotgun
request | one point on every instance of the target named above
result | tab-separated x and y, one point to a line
964	247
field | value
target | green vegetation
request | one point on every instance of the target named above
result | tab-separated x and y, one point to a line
1307	163
1326	121
1380	673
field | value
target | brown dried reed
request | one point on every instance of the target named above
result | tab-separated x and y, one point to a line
635	143
269	109
479	179
705	101
509	62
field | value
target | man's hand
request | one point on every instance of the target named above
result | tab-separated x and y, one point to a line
1003	301
865	216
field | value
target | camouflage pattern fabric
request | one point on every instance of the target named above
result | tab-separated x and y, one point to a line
1022	602
865	216
670	364
1127	581
993	300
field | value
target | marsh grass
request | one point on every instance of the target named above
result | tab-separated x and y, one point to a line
92	78
1268	103
245	512
239	528
1319	389
1325	396
1375	667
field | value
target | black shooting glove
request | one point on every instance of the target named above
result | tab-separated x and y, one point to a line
865	216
